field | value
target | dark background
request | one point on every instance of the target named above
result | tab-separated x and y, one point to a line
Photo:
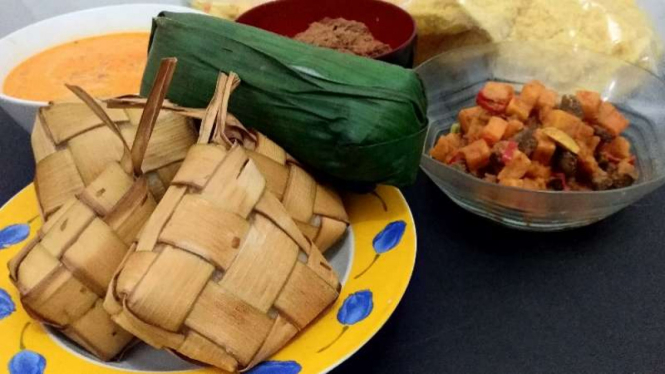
484	299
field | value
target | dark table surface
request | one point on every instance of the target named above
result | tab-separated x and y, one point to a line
484	299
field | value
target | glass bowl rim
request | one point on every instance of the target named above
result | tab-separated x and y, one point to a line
522	44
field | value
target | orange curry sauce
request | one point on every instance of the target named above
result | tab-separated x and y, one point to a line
105	66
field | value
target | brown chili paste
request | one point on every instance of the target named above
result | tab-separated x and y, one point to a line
344	36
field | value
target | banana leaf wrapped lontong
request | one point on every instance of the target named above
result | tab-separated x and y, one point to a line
357	121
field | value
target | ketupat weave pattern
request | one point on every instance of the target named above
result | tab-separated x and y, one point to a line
63	275
221	274
317	209
72	146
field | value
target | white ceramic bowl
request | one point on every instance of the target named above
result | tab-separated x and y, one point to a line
32	39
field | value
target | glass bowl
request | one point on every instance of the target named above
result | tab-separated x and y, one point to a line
452	81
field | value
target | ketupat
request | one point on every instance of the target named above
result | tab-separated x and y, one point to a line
355	120
220	273
67	133
63	274
316	208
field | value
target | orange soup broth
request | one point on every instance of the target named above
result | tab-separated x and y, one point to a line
105	66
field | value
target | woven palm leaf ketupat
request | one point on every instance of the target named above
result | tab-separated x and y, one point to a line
72	146
220	274
63	274
357	121
316	208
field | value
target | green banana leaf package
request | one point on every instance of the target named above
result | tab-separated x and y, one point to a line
354	120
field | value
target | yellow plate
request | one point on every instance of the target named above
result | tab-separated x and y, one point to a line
375	262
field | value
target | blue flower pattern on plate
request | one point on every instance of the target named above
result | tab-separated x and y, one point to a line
27	362
276	367
356	307
7	306
389	237
385	241
13	234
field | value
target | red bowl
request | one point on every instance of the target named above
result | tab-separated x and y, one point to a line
387	22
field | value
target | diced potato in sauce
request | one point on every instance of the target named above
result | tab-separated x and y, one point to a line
627	168
494	130
446	147
544	149
539	171
563	121
583	132
518	109
619	148
589	165
531	93
516	168
590	102
533	139
610	118
476	154
470	116
514	126
475	132
546	102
